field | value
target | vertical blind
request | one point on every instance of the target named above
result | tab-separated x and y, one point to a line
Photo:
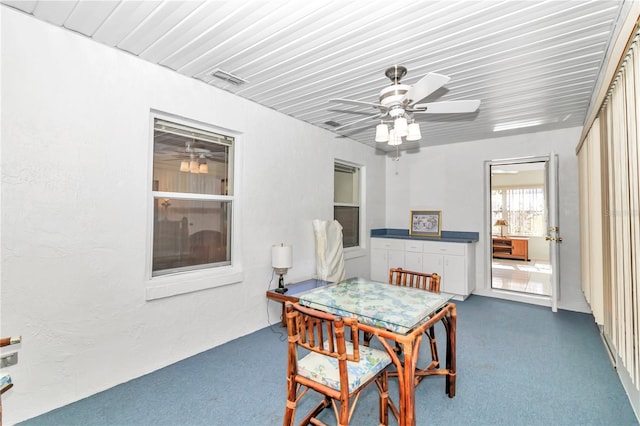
610	214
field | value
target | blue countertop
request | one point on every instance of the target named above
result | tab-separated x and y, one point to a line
446	236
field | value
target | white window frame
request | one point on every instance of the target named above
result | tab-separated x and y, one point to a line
162	286
360	249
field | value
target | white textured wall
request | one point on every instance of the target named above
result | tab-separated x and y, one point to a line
451	178
75	213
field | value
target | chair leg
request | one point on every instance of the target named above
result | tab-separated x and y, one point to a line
343	413
366	338
434	349
290	409
384	398
311	416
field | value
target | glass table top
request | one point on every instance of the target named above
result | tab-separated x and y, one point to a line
396	308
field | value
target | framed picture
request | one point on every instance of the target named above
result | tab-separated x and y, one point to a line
425	223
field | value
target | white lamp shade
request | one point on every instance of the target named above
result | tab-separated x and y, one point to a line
194	167
382	133
400	126
281	256
184	166
414	132
204	168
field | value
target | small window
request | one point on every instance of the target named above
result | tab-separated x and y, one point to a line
346	202
192	198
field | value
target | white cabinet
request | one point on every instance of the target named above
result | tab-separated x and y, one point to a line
386	253
454	262
413	255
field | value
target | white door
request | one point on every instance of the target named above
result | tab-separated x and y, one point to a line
553	231
513	279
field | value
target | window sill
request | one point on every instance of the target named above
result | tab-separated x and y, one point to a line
188	282
354	252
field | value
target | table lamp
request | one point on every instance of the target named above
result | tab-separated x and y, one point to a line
281	259
501	223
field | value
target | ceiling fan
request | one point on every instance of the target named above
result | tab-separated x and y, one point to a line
399	102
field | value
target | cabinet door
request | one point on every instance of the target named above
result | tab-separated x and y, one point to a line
413	261
395	260
520	248
379	265
432	264
454	277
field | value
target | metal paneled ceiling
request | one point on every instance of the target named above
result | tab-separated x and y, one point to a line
532	63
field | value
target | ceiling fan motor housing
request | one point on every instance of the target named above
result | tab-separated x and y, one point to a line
393	95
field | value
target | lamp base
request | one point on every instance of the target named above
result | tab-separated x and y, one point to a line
281	288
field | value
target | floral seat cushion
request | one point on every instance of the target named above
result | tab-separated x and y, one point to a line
5	381
324	369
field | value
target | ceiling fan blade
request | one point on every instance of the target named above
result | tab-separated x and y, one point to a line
425	86
359	103
446	107
356	122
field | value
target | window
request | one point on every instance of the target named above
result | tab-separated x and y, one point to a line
523	209
192	198
346	202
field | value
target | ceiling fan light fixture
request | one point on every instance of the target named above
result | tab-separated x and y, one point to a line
400	126
413	132
394	139
203	166
194	167
382	133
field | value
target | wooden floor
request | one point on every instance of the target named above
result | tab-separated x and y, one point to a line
533	277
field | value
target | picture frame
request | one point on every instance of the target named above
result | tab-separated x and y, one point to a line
425	223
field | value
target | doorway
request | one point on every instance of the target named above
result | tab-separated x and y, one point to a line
520	213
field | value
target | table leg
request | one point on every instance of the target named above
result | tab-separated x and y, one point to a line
407	389
451	351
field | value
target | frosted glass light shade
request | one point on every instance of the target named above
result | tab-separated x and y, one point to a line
394	139
194	167
400	126
382	133
184	166
413	132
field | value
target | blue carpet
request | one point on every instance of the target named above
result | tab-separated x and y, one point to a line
517	364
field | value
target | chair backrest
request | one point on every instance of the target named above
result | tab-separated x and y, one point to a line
421	280
322	332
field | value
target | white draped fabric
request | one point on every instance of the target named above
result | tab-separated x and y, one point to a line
329	251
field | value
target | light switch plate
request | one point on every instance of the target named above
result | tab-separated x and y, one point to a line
8	360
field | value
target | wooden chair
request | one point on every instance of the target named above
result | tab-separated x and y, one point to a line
423	281
5	378
405	278
334	367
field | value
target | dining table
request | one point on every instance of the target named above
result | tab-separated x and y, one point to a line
394	314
